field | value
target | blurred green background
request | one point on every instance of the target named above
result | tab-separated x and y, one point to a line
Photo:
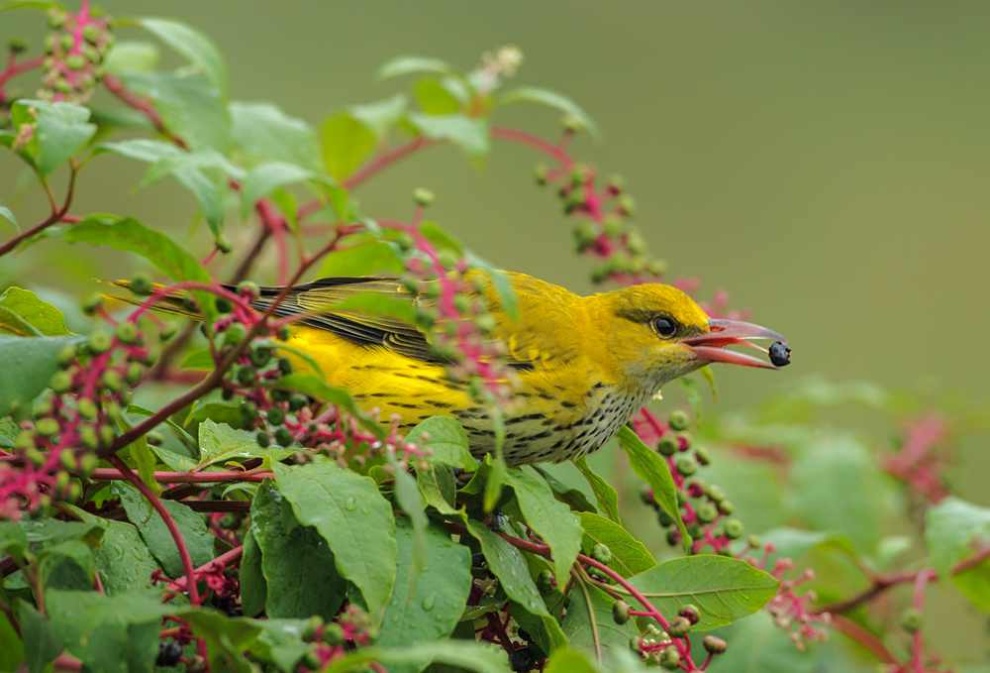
825	162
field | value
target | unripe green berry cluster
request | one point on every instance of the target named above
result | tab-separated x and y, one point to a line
75	49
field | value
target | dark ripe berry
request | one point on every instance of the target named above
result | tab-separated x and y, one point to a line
283	437
714	644
690	613
169	653
284	367
620	612
684	441
679	421
264	439
227	394
667	445
664	519
261	355
780	354
245	376
297	402
141	285
282	334
224	305
673	537
524	659
679	626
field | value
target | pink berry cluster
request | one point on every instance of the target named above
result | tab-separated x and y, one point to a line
351	628
80	416
74	53
453	306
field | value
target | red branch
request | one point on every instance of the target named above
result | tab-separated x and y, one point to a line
57	214
110	474
173	528
131	99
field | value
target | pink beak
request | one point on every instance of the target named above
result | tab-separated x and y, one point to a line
711	346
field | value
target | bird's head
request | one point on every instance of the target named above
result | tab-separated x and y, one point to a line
659	333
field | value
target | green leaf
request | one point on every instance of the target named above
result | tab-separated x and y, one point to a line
41	642
254	590
264	133
551	519
60	130
11	647
23	313
290	552
842	464
108	633
629	555
410	501
468	133
654	470
509	566
365	259
282	642
569	660
530	94
446	440
155	533
605	494
226	639
122	559
192	44
440	237
29	364
427	605
355	520
434	98
127	57
482	658
589	625
219	443
129	235
266	178
954	531
190	106
382	115
411	65
723	588
345	142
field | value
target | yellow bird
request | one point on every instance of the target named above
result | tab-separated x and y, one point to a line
584	364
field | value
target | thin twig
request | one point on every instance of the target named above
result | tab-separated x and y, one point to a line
55	216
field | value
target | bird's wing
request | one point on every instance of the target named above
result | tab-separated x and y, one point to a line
322	304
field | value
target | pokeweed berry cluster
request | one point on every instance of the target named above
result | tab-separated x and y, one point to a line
351	628
80	416
605	231
453	308
707	514
74	53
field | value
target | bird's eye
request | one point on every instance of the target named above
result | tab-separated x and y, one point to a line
666	327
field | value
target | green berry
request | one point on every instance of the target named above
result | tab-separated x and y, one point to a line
690	613
284	367
714	644
260	355
87	408
734	529
601	553
224	245
141	285
76	62
112	380
223	305
91	34
679	421
67	356
725	507
707	512
61	381
87	463
248	290
679	627
127	332
283	437
333	634
297	402
24	441
667	446
245	376
264	439
686	465
47	427
702	456
134	373
234	334
107	434
99	342
92	304
911	620
87	435
276	416
540	173
670	658
620	612
423	197
68	461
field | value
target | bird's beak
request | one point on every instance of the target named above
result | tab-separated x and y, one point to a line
712	345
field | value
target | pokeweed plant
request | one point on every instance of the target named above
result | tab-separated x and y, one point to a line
174	498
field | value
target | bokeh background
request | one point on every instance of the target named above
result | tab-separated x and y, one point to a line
825	162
